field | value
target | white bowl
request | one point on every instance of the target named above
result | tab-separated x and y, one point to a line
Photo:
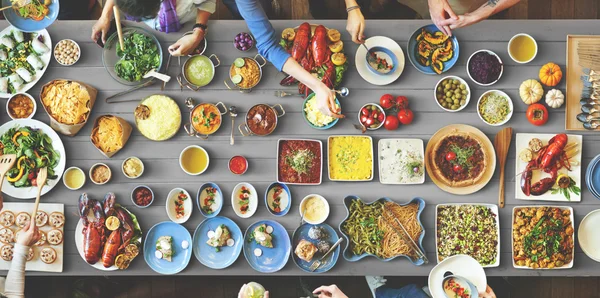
76	45
123	167
100	164
453	78
207	160
326	208
534	42
252	204
501	67
73	169
188	205
510	104
32	100
381	110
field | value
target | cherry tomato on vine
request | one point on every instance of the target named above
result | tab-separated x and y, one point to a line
402	102
405	116
457	168
391	123
387	101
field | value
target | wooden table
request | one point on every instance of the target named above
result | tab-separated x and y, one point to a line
163	173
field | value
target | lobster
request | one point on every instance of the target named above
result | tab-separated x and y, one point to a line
93	231
109	204
111	248
319	47
301	42
126	226
550	159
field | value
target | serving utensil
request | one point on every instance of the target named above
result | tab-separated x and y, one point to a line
119	29
390	219
154	74
281	93
590	109
343	92
592	125
164	84
6	163
370	58
108	99
360	127
40	181
318	262
232	114
16	4
501	145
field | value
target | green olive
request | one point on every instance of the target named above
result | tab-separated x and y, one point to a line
456	101
439	88
455	107
464	97
463	102
455	81
449	100
463	87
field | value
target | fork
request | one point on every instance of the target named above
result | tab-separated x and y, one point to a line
318	262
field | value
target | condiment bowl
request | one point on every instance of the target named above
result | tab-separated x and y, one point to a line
452	78
76	46
381	110
288	202
188	205
510	104
133	196
493	54
98	165
14	96
389	53
218	199
326	206
188	148
73	169
231	161
123	167
534	42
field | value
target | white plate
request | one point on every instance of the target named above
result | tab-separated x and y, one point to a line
372	158
170	206
494	209
253	200
512	245
31	192
575	173
403	144
363	68
461	265
36	264
45	59
588	236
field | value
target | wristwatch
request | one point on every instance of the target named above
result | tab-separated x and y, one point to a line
200	26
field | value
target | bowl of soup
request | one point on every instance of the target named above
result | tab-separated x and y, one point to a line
261	120
383	61
198	71
194	160
314	208
205	118
522	48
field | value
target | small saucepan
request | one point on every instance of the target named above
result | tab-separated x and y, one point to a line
261	120
245	73
198	71
205	118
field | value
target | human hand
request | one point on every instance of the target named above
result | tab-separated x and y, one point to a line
326	101
100	29
29	235
331	291
186	44
489	293
440	11
242	294
463	21
356	25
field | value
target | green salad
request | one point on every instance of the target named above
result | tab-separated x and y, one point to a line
141	55
34	151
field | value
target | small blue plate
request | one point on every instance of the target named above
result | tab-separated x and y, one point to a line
329	125
272	259
412	51
219	200
29	25
592	176
389	53
181	257
332	237
289	194
208	255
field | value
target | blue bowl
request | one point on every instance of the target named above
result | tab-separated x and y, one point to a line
351	257
29	25
332	237
389	53
272	259
219	193
181	257
289	193
208	255
327	126
412	51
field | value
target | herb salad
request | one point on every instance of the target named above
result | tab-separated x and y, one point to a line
140	55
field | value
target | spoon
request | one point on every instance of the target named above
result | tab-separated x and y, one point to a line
370	58
584	101
584	117
592	125
233	114
281	93
343	92
152	73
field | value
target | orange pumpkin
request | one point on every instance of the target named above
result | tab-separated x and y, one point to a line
550	74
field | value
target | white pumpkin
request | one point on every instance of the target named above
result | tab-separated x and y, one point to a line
531	91
555	98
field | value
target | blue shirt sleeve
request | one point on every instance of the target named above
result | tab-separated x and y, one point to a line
262	30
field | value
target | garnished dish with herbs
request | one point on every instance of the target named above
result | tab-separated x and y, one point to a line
350	158
299	162
36	10
543	237
23	58
209	200
459	159
140	55
494	108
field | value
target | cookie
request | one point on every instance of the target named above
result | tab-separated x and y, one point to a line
7	218
7	236
30	254
22	219
41	218
54	237
48	255
42	240
56	219
6	252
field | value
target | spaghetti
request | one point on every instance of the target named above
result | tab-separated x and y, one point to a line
392	244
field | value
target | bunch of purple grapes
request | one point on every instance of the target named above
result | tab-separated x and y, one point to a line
243	41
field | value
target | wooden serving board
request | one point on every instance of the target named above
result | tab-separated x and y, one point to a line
574	84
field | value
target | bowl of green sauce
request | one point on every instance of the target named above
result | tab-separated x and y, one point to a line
198	71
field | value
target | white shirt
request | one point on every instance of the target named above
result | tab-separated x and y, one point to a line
14	286
186	12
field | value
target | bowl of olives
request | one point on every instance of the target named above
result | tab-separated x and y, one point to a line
452	93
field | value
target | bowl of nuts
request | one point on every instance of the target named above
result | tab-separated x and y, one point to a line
67	52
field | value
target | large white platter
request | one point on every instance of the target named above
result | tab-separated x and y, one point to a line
36	264
45	59
57	144
575	173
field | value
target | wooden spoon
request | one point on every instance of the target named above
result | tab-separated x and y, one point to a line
502	144
40	181
119	29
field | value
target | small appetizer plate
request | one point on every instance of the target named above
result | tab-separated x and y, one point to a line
181	257
244	200
203	199
226	255
331	237
171	205
284	196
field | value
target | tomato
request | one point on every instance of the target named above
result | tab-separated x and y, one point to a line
450	156
537	114
365	112
369	121
381	117
402	102
374	114
363	119
391	123
387	101
457	168
405	116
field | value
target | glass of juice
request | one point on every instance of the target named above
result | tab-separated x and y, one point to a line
522	48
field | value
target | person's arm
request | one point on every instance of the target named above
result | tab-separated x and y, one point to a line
15	280
102	26
356	21
440	10
485	11
188	43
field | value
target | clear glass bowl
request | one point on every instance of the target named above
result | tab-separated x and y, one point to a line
110	58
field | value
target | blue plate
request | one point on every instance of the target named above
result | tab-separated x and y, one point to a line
332	237
219	193
272	259
412	51
29	25
208	255
351	257
181	257
592	176
389	53
289	204
328	126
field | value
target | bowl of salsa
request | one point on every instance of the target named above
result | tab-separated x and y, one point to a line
238	165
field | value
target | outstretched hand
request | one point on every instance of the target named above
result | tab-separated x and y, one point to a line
356	26
326	102
441	14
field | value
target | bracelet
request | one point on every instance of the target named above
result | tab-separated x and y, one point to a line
200	26
351	8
